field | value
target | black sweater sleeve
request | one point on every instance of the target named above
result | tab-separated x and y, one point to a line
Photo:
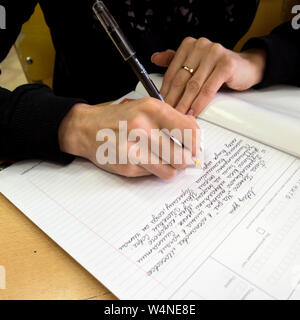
30	115
29	120
283	55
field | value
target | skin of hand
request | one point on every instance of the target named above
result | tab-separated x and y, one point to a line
78	130
213	65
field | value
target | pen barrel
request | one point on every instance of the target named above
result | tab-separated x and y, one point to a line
113	30
124	47
144	78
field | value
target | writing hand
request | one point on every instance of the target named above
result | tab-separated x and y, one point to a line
78	131
213	67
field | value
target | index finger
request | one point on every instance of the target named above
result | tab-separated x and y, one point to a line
190	134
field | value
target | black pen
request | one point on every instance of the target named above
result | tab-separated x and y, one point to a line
125	48
128	53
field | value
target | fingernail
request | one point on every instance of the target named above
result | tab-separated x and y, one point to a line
154	54
191	112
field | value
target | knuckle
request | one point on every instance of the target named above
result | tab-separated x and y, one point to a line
207	91
194	85
216	49
137	122
153	108
150	104
202	43
188	41
148	101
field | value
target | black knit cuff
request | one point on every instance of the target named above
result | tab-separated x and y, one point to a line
281	58
35	123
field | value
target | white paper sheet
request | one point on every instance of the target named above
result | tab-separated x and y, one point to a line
231	231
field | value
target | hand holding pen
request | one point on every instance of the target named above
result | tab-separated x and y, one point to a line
85	132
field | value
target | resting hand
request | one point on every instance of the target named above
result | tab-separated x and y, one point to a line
213	67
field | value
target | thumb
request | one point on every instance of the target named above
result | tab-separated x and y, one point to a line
163	59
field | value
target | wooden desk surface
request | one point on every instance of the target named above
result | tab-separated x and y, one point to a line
36	267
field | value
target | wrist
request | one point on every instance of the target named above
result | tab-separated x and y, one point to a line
257	59
73	131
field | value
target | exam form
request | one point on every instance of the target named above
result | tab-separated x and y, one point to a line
229	231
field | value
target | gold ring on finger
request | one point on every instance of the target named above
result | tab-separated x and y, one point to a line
190	70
